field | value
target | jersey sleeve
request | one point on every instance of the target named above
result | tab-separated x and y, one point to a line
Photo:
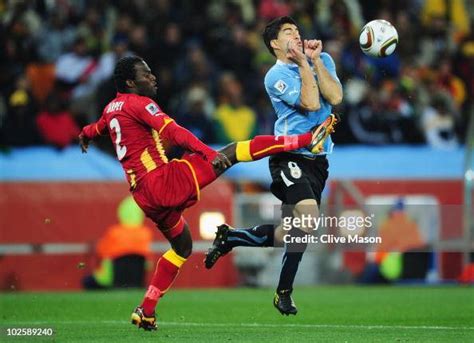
147	111
283	86
150	113
182	137
93	130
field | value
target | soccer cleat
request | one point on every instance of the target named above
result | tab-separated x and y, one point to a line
219	246
142	321
321	132
284	303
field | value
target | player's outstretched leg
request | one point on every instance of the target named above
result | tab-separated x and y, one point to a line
263	146
228	238
166	271
321	132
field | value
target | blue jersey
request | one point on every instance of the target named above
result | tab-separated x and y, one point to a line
283	86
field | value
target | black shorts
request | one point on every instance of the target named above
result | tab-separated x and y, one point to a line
296	177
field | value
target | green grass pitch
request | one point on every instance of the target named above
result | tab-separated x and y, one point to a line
326	314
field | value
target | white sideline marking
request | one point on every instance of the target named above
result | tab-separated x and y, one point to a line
254	325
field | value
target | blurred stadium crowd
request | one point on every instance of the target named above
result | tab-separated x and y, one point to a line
57	59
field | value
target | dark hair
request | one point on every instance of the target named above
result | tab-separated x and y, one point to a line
125	70
271	30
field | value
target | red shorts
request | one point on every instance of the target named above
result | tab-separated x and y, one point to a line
167	191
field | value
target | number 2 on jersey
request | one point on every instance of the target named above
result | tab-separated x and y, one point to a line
121	150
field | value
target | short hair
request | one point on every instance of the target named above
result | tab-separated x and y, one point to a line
125	70
271	30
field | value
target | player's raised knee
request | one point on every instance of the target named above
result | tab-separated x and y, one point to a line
307	211
185	250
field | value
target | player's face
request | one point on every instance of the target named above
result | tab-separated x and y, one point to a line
289	33
145	81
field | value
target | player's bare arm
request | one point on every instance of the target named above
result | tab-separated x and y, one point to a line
84	143
221	162
226	158
182	137
309	89
330	89
89	132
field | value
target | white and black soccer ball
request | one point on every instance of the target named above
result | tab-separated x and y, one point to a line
378	38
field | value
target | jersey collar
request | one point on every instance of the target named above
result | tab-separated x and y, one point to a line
124	94
290	65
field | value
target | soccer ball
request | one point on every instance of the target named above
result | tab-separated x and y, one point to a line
378	38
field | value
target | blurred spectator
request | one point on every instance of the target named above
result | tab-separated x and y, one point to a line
73	69
56	124
24	12
367	121
101	78
122	250
236	39
447	81
270	9
453	13
195	67
168	49
123	25
19	127
138	40
194	116
408	46
439	123
463	64
42	79
159	13
195	43
18	40
384	68
445	23
244	11
353	62
234	120
56	36
107	61
265	114
92	30
381	116
336	18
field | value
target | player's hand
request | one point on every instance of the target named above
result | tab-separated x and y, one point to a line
221	161
313	48
295	53
83	143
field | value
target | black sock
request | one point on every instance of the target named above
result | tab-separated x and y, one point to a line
258	236
291	260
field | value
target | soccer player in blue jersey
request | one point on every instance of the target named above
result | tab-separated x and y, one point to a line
302	86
